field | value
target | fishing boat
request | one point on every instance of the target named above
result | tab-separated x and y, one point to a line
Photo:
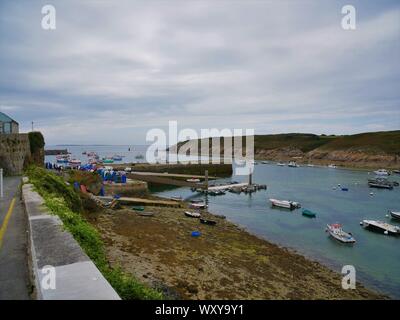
395	215
336	232
62	159
287	204
380	226
198	205
308	213
281	164
192	214
293	164
332	166
209	222
382	172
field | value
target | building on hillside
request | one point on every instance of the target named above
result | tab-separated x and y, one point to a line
8	125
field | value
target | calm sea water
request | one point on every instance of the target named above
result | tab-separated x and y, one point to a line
376	257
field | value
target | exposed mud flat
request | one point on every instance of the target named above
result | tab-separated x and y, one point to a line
225	262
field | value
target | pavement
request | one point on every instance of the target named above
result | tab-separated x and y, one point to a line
14	274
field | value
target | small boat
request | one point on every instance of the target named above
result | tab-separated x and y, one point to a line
198	205
293	164
380	226
336	231
395	215
332	166
177	198
265	162
145	213
192	214
138	208
396	171
310	165
117	158
287	204
139	156
380	183
281	164
209	222
382	172
344	189
108	160
75	162
193	180
309	213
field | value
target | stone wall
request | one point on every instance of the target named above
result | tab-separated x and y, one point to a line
14	153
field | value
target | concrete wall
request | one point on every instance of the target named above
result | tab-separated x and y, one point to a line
14	152
76	276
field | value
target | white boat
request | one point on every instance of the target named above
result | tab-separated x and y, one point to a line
394	214
310	165
293	164
281	164
336	231
193	180
75	162
332	166
192	214
287	204
381	172
198	205
381	226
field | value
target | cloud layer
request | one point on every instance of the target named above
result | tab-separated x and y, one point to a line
113	70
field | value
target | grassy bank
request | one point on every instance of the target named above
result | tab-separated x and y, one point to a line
62	200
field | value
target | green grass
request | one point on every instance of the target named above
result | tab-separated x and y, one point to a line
58	199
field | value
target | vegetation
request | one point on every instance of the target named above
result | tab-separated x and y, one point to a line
36	141
62	200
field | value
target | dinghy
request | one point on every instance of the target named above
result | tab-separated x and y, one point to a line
138	208
309	213
145	213
197	205
192	214
336	232
381	172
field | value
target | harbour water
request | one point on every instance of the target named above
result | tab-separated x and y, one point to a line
375	256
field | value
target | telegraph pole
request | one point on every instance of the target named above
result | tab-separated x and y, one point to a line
32	126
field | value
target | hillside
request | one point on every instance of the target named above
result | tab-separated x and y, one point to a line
367	150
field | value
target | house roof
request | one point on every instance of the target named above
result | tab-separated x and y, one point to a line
5	118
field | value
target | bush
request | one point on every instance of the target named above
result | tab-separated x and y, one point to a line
36	141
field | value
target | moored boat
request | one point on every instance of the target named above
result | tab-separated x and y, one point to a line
395	215
197	205
380	183
336	232
332	166
193	180
287	204
75	162
145	213
192	214
380	226
138	208
309	213
281	164
396	171
382	172
293	164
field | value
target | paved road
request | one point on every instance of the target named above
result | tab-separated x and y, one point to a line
14	277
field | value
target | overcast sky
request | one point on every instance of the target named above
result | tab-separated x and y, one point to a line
114	69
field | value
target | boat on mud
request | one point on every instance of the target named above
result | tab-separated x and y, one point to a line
286	204
308	213
380	226
145	213
394	214
193	180
209	222
197	204
192	214
335	230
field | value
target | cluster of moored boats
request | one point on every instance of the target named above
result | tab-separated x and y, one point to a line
199	205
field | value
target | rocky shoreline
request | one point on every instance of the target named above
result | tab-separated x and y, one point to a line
225	262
